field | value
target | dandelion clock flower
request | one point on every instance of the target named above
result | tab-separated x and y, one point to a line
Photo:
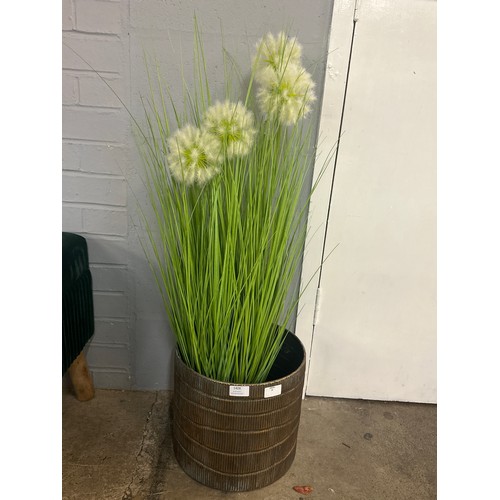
276	53
287	95
192	156
232	126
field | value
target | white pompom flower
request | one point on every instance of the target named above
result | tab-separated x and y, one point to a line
193	156
276	53
287	95
232	125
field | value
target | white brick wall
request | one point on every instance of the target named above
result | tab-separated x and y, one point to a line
93	188
108	279
69	89
132	345
105	221
94	92
98	16
103	53
108	251
96	135
94	158
72	220
94	124
68	15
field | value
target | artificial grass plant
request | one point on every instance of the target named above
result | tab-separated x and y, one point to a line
226	177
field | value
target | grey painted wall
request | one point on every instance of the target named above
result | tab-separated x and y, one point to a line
102	185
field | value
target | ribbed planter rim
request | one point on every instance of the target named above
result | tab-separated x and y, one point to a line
258	384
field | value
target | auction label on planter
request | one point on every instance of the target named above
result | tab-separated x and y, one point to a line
239	390
274	390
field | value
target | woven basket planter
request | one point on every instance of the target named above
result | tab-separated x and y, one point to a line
239	437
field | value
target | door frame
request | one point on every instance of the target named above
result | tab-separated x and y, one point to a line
342	28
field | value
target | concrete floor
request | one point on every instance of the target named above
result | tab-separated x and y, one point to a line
118	446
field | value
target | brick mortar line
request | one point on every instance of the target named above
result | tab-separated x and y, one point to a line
104	237
74	34
95	206
112	345
77	107
94	33
92	175
108	369
112	319
95	142
108	266
91	106
116	75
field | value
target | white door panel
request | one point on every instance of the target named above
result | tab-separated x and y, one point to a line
375	336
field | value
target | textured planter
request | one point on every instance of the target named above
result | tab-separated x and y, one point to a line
239	437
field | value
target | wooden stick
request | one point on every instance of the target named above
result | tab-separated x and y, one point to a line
81	378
